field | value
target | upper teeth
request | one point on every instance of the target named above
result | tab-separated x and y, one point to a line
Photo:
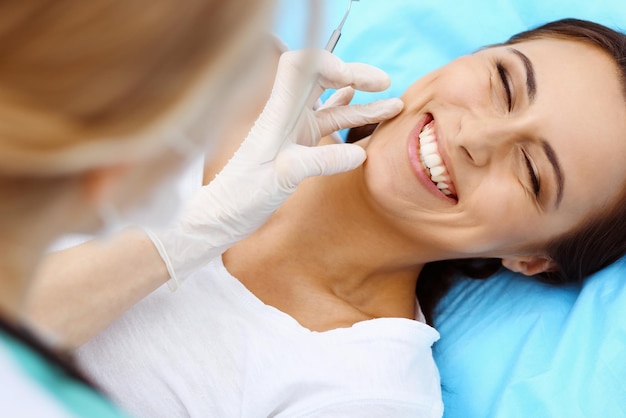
432	161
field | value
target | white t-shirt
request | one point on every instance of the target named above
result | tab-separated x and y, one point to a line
213	349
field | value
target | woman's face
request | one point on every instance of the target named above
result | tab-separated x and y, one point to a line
530	139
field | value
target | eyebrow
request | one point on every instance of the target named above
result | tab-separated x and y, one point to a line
531	83
558	173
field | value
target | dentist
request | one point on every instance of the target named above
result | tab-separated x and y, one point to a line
97	100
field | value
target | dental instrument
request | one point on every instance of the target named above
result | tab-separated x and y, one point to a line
334	38
308	91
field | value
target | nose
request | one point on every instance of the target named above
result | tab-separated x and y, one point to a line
484	139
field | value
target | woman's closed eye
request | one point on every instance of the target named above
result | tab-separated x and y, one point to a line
507	86
532	173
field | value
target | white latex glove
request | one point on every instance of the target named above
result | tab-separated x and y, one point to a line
253	184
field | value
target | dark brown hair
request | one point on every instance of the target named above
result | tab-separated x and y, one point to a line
593	245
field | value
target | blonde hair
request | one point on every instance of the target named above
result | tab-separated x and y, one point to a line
75	74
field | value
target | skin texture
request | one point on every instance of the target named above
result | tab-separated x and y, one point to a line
350	247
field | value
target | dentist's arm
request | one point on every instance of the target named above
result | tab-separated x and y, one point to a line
254	183
81	290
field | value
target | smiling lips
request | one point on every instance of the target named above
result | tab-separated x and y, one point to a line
427	162
432	162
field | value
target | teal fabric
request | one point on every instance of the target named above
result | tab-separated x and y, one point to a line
510	346
75	397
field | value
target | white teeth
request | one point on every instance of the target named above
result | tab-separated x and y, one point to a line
428	149
440	179
427	137
432	161
437	171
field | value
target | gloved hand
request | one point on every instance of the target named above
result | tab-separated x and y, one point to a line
254	183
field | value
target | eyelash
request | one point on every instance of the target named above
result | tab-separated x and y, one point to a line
505	81
533	176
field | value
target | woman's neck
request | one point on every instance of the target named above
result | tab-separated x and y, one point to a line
327	240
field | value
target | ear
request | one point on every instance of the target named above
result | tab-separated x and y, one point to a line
102	184
529	265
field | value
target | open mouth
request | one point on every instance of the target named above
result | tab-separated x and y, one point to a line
432	162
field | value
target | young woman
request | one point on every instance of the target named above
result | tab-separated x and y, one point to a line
496	155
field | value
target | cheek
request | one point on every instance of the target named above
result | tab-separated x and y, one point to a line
388	175
500	220
386	179
465	82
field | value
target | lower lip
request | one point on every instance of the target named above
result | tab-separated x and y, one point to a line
416	163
